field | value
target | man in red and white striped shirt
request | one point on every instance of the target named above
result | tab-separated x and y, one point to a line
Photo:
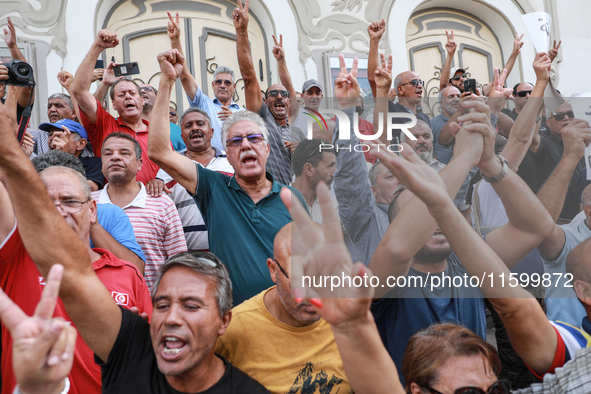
155	220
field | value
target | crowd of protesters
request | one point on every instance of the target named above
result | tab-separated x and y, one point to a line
160	252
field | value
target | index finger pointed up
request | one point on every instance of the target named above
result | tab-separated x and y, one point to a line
49	296
330	221
520	37
246	6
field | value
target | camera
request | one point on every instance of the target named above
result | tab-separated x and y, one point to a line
19	73
126	69
470	86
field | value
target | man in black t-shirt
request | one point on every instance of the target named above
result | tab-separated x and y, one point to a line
68	136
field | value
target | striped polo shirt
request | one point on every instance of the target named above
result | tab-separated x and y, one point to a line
156	225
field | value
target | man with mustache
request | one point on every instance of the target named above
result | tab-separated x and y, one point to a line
277	109
242	213
197	134
313	164
275	338
223	85
449	102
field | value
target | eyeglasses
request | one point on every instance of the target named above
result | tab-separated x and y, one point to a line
275	93
172	113
70	206
458	77
499	387
560	115
219	82
281	268
414	83
252	139
523	93
146	89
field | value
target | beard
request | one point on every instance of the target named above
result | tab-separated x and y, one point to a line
432	254
426	156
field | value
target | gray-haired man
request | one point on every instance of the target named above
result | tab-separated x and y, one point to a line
223	86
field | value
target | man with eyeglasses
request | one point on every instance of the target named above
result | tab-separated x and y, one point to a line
277	339
223	85
548	151
19	277
242	213
278	108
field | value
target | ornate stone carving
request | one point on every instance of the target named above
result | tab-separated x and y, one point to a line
50	17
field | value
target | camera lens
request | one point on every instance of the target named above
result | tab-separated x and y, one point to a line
134	65
22	71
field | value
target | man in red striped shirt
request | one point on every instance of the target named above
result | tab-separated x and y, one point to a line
155	220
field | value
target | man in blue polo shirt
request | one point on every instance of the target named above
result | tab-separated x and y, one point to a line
223	85
242	213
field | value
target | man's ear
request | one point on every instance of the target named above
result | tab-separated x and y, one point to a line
140	163
226	319
308	169
272	269
81	143
373	190
583	290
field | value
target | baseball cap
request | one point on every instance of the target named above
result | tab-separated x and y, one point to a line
455	70
310	83
74	127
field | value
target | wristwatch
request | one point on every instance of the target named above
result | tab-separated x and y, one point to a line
501	174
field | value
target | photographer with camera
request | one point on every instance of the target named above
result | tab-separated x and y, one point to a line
25	97
126	99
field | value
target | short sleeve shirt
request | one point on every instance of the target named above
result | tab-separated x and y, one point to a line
241	233
114	220
279	161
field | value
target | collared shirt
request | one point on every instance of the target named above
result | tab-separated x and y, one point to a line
156	225
106	124
241	232
191	218
279	161
402	108
212	107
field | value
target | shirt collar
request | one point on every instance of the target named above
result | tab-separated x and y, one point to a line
274	189
233	104
139	201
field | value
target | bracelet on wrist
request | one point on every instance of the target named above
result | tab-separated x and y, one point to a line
501	174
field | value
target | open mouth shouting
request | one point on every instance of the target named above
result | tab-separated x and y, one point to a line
248	157
172	347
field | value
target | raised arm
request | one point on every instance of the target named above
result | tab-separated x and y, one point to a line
376	31
189	83
517	44
554	51
530	331
382	85
24	94
181	168
575	137
446	137
83	78
284	76
450	48
6	213
523	134
320	250
65	79
251	84
87	301
393	257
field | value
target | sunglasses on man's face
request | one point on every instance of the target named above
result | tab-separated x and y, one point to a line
523	93
219	82
172	113
252	139
499	387
559	116
458	77
414	83
275	93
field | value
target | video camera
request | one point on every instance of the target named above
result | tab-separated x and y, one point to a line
19	74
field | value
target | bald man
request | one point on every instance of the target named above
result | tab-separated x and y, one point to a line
409	89
279	341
